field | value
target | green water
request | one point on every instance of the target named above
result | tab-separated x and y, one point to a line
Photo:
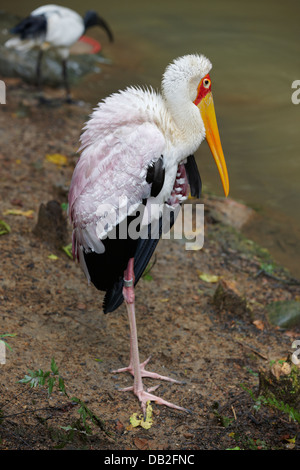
255	50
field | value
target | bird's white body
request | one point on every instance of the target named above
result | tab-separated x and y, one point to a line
64	28
56	28
128	132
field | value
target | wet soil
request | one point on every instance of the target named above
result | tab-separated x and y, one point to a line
216	349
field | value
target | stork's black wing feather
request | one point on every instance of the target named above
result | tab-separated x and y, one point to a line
193	175
106	269
144	250
156	176
31	27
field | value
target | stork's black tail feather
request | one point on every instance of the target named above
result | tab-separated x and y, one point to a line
194	177
114	296
145	248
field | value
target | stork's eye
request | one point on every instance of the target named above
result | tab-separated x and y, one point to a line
206	83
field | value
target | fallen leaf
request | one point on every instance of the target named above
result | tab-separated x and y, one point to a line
147	277
57	159
17	202
291	443
141	444
4	228
259	324
54	257
136	420
81	306
208	277
119	427
68	250
188	435
291	334
28	214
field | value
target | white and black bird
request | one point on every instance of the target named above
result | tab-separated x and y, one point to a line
57	28
137	153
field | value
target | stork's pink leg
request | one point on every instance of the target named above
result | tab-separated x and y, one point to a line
129	296
135	367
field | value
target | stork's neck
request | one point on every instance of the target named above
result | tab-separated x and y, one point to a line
187	119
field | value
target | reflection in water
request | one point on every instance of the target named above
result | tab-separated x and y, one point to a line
254	48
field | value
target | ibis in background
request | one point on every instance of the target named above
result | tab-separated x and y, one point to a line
137	152
57	28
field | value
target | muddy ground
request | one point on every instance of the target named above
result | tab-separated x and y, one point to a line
217	349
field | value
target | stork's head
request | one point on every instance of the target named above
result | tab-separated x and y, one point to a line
187	82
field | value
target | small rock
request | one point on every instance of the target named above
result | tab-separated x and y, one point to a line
229	212
228	297
285	314
52	225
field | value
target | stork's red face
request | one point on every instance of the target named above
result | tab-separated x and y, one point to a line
204	87
204	101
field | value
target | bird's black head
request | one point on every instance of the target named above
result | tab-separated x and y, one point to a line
92	18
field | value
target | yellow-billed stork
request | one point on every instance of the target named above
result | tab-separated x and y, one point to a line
57	28
136	152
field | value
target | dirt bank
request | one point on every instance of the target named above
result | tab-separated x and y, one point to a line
214	346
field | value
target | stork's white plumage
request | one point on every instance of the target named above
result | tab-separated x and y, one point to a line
53	27
137	151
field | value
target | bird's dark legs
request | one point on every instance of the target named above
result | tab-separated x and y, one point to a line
38	68
135	367
64	76
66	81
42	99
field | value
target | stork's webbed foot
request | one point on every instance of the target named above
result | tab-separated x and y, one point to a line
146	373
145	395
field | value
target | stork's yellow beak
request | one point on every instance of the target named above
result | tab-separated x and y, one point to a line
207	110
